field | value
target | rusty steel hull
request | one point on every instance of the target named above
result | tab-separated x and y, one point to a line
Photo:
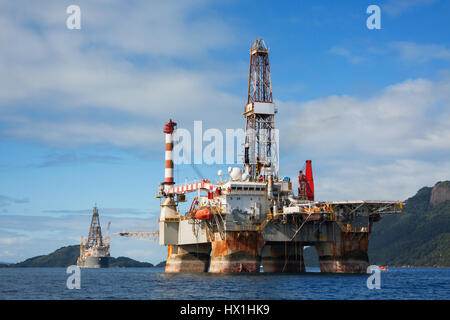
246	251
238	252
276	245
283	257
348	255
188	258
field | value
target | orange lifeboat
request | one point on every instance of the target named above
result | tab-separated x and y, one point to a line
203	214
383	268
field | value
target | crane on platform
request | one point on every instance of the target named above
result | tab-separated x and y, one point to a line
140	235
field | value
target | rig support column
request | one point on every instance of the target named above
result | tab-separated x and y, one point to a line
188	258
347	255
283	257
239	252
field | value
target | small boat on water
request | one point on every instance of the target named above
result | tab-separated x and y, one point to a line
383	268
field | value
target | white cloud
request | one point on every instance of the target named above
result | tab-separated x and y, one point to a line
177	28
398	7
72	134
57	85
385	146
404	119
12	240
413	52
343	52
6	201
396	180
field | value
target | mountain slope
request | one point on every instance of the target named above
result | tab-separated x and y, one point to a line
420	236
62	257
124	262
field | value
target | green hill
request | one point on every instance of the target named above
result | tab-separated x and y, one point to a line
162	264
124	262
67	256
420	236
62	257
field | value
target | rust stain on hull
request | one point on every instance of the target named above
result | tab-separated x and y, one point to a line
246	251
188	258
348	257
239	252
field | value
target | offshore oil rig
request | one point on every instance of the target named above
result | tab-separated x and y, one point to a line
254	219
94	252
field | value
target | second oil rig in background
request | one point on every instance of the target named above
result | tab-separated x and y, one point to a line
94	252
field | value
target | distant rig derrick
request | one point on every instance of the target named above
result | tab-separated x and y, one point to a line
94	252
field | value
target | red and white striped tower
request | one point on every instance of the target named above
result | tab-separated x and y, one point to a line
168	175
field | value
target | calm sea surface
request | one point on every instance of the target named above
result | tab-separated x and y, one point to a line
153	283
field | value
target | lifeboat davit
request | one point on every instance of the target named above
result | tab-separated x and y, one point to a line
203	214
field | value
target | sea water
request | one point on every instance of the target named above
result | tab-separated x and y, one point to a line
153	283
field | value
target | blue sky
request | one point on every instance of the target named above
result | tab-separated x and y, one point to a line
81	111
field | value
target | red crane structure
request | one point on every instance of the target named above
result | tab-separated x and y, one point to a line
306	183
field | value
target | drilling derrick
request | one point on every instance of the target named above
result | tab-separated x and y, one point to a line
260	158
95	237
